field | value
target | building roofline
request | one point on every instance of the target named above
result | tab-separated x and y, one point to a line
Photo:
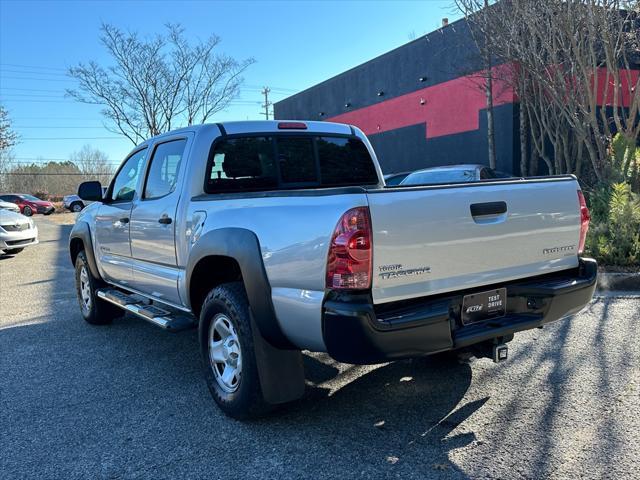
439	30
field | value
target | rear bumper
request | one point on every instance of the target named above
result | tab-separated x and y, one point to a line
356	331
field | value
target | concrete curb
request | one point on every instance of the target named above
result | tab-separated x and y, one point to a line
618	281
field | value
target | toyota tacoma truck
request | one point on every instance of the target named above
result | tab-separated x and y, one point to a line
273	237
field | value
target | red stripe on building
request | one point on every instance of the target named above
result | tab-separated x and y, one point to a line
447	108
454	106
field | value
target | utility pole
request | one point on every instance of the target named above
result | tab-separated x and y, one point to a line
267	103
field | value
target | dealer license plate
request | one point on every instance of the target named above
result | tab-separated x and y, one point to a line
484	305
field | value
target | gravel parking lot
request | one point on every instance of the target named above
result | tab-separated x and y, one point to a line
128	400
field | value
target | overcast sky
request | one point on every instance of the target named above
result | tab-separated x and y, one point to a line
295	45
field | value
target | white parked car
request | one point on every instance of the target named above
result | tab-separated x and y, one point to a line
75	203
449	174
9	206
16	232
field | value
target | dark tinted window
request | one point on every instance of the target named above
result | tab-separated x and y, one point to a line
247	163
345	161
242	164
163	172
297	160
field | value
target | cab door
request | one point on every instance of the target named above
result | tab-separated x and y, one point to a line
153	222
113	221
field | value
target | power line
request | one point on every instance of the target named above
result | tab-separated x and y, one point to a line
44	101
39	174
41	158
29	89
32	95
41	79
46	161
73	138
33	66
29	72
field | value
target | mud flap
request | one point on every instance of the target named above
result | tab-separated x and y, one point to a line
281	371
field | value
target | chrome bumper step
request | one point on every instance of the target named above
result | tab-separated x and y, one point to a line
140	306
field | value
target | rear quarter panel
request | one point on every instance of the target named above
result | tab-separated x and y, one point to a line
294	233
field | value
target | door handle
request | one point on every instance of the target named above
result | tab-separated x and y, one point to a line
165	220
124	220
488	208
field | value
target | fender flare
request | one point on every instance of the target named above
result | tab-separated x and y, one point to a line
82	231
243	246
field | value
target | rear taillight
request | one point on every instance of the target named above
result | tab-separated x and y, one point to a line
585	217
349	262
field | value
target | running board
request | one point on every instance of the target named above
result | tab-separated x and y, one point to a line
142	307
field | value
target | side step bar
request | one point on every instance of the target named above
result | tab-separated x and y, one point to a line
141	306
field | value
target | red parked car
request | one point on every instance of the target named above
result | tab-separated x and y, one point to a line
29	204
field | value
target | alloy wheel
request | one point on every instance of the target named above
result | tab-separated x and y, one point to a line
225	354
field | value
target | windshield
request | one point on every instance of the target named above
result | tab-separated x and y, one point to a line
31	198
436	177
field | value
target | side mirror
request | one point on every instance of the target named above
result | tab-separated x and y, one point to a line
90	191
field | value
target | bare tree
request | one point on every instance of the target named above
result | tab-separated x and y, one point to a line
570	66
93	164
8	139
477	11
158	84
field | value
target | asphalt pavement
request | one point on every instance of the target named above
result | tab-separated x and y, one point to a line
128	400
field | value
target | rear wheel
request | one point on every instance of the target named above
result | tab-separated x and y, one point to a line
14	251
27	212
77	207
228	355
94	310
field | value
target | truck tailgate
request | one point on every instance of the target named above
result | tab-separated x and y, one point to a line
430	240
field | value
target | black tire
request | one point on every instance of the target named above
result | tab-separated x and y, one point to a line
97	312
229	301
14	251
76	207
27	212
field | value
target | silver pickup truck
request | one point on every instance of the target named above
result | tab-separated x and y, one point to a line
277	237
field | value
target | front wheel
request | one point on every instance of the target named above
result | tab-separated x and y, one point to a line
227	350
27	212
77	207
94	310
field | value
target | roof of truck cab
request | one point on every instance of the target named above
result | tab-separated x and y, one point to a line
255	126
258	126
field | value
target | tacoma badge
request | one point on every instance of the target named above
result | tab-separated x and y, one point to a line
396	270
